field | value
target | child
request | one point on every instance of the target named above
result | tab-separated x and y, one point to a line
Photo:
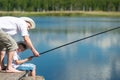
20	64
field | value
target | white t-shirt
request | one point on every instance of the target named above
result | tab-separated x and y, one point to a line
13	26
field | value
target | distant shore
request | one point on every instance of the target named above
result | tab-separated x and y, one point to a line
61	13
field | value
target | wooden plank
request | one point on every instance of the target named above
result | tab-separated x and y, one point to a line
11	76
17	76
30	78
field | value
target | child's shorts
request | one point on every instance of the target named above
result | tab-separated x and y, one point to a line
26	67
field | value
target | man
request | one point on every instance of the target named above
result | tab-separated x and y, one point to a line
9	27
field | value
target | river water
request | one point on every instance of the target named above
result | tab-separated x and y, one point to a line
96	58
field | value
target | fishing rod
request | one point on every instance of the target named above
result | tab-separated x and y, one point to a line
79	40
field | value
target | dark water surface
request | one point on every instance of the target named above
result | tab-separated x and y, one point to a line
96	58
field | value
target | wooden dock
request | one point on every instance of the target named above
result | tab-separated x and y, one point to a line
17	76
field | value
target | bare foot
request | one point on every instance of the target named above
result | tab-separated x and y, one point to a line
12	70
4	68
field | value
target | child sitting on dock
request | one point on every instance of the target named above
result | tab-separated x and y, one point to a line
20	64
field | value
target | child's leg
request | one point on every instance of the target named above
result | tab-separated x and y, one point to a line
33	74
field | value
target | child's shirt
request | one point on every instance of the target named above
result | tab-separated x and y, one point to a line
24	66
15	57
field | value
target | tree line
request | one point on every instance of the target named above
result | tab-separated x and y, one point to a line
59	5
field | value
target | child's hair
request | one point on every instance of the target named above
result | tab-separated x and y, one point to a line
23	44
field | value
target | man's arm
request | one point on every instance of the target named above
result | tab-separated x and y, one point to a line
30	45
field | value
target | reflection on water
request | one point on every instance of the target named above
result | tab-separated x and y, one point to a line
96	58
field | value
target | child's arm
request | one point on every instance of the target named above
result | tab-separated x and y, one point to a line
23	61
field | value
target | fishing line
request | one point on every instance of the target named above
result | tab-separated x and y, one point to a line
79	40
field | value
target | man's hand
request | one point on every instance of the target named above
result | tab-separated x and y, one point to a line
36	54
30	45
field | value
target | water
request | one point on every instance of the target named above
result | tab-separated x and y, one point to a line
96	58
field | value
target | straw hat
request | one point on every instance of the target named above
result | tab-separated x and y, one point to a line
29	20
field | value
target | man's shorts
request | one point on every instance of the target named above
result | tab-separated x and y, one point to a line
26	67
7	43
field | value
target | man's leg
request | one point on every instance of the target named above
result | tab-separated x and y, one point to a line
2	54
10	45
9	68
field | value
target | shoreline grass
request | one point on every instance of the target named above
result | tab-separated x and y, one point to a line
61	13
